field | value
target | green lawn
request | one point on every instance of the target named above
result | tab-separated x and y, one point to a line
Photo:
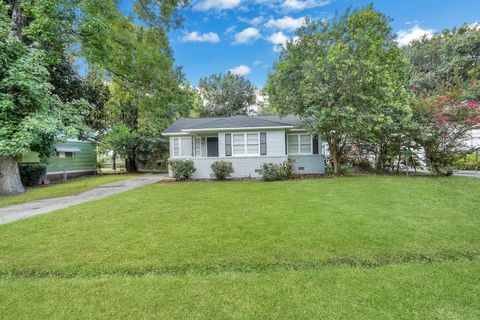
345	248
62	189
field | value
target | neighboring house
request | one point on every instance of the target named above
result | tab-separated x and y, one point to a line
473	139
247	142
70	159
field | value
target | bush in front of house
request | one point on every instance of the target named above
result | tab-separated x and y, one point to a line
275	172
31	173
468	162
182	169
221	170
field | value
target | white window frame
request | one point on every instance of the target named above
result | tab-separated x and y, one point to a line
299	145
62	154
245	146
195	146
180	147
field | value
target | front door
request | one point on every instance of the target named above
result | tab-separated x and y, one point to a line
212	146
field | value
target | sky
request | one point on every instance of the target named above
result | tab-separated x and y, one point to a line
244	36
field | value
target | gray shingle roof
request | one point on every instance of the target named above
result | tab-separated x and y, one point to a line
233	122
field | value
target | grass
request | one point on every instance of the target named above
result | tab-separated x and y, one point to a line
61	189
363	248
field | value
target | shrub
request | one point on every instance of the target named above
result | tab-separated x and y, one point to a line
364	165
275	172
31	173
182	169
222	169
468	162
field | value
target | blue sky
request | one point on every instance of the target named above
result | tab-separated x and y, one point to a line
240	35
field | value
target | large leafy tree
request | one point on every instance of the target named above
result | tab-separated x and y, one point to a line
226	95
452	57
444	76
147	92
35	106
444	117
31	116
347	78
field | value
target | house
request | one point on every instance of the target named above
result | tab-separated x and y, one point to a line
72	158
247	142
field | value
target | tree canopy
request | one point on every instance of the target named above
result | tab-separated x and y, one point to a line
346	77
452	57
42	97
226	95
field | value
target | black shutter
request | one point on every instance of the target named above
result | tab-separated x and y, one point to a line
315	145
228	144
263	143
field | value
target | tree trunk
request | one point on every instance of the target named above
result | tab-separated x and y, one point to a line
381	158
10	182
114	161
18	19
334	154
131	164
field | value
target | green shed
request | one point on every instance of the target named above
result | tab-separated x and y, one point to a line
72	158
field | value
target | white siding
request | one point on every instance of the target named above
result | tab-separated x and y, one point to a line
248	166
221	144
244	167
311	164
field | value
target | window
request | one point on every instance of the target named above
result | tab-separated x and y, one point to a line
176	147
252	143
198	147
238	144
182	147
299	144
186	147
62	154
246	144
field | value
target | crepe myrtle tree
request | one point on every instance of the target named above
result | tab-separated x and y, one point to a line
347	78
444	117
31	117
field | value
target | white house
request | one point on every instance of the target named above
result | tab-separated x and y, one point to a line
247	142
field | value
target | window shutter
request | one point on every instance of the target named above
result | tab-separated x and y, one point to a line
228	144
315	145
263	143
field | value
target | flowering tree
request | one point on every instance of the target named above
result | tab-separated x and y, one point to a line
444	117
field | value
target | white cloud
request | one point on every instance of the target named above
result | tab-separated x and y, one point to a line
285	23
278	39
201	37
230	29
254	21
257	62
241	70
246	36
475	25
204	5
293	5
407	36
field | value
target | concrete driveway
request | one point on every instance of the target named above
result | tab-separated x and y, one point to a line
30	209
462	173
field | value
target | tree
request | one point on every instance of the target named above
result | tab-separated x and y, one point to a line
450	57
31	117
346	78
68	85
444	117
226	95
35	105
148	92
